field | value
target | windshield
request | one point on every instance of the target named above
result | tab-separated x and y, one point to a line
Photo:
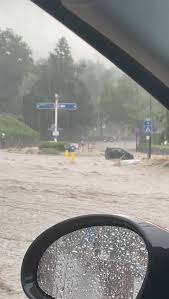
77	136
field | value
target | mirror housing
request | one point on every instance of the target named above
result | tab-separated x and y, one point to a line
156	282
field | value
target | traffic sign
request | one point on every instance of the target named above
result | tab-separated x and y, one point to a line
45	106
55	106
147	132
52	128
67	106
55	133
147	126
60	106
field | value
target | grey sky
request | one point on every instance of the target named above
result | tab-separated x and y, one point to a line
41	31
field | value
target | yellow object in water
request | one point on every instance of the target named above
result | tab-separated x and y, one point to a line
66	154
72	157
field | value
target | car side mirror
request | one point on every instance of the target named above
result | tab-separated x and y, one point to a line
90	257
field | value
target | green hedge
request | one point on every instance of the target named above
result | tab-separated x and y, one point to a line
160	149
58	146
156	149
156	139
49	151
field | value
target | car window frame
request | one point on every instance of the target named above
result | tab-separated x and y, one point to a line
103	45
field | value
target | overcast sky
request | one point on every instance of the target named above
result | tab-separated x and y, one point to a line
41	31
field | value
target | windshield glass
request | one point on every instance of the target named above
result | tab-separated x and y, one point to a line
76	136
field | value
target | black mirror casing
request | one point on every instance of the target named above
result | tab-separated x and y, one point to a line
156	282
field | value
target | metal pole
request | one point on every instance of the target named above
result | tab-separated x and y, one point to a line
149	147
56	118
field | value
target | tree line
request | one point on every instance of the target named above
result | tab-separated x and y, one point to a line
107	99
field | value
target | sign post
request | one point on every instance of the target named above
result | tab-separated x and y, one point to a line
147	132
56	133
56	106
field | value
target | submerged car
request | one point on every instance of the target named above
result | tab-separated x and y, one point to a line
117	153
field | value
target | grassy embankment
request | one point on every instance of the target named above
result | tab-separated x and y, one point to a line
17	133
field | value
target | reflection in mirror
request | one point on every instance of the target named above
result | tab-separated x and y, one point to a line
98	262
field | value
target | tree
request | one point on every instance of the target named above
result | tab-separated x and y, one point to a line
15	63
97	78
60	74
61	69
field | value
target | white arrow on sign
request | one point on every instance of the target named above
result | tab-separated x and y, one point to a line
148	129
67	106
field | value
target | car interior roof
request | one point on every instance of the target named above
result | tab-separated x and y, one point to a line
132	34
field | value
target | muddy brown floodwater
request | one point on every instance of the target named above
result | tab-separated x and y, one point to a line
38	191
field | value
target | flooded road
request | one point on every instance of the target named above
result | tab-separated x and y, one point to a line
37	191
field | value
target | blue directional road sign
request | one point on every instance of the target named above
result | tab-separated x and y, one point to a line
52	128
45	106
147	126
67	106
61	106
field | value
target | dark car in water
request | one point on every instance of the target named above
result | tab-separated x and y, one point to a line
117	153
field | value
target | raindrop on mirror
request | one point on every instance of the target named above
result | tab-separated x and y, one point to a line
99	262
